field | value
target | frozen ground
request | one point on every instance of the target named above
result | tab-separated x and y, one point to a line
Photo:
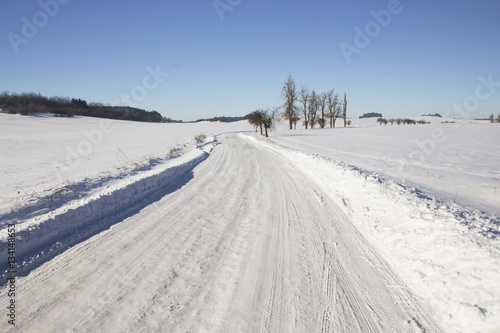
152	231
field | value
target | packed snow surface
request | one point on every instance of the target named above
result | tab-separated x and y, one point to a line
130	227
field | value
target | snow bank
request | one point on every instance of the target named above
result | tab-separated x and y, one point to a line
64	178
448	254
44	235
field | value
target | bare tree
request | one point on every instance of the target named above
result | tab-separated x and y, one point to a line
290	95
382	121
296	118
304	99
313	108
255	119
269	119
322	104
333	110
344	109
338	110
492	119
329	101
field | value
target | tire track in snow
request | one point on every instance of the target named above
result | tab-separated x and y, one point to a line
368	296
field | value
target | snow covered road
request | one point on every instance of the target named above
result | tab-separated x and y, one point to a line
248	243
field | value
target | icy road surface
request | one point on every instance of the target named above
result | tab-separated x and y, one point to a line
248	243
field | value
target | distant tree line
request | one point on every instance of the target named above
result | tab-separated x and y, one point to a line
223	119
30	103
400	121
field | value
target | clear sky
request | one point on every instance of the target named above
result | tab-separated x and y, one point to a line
229	57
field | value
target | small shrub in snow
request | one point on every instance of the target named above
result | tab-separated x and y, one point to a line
382	121
200	137
152	159
174	152
125	159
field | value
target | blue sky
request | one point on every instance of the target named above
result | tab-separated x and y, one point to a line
427	57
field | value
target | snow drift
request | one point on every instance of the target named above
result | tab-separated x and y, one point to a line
43	236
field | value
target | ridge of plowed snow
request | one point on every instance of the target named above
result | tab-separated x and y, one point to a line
41	237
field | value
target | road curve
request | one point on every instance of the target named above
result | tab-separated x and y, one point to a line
249	244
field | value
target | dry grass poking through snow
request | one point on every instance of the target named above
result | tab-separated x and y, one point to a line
200	137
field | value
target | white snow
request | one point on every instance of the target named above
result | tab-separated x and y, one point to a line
382	228
448	254
456	159
46	159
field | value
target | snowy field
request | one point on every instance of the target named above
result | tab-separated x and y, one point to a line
454	159
45	157
376	228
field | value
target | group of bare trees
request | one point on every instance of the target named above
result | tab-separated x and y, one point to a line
492	118
315	108
400	121
264	119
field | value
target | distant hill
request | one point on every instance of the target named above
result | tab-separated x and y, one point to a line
371	115
30	103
